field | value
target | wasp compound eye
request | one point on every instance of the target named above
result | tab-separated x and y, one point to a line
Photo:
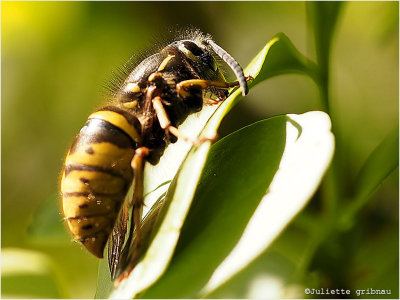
192	47
190	50
232	63
197	54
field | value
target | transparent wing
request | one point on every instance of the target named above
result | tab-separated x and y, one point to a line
122	240
117	239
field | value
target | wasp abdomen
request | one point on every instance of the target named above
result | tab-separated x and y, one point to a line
98	174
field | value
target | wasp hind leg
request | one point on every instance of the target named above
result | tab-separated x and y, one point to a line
132	247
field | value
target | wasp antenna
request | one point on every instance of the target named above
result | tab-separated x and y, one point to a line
232	63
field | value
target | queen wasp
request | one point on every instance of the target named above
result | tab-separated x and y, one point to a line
110	151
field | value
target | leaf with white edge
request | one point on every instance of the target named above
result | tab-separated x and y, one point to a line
277	57
307	155
255	181
274	274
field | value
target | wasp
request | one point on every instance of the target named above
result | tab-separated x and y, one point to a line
110	151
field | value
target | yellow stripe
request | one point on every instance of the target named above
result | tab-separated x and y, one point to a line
98	223
117	120
81	206
165	62
97	182
105	155
131	104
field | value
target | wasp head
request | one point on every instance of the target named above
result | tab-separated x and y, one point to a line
201	59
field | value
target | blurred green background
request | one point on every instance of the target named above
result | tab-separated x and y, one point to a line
57	55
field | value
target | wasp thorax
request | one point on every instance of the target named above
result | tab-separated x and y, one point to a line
129	94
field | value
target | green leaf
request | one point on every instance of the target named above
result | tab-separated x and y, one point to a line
272	275
28	274
255	181
382	161
281	58
47	224
277	57
324	16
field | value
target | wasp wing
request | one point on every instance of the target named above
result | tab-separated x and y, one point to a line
120	245
117	239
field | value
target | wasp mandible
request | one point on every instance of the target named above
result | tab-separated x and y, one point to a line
111	149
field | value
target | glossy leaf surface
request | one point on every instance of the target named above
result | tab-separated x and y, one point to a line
255	181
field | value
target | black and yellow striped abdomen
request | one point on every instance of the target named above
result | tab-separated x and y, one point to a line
97	176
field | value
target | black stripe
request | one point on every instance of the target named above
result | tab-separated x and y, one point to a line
99	131
132	120
87	227
82	167
112	130
108	216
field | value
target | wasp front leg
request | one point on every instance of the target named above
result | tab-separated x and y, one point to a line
184	86
165	124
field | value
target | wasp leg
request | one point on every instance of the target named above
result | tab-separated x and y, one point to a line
183	86
165	124
137	165
210	101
